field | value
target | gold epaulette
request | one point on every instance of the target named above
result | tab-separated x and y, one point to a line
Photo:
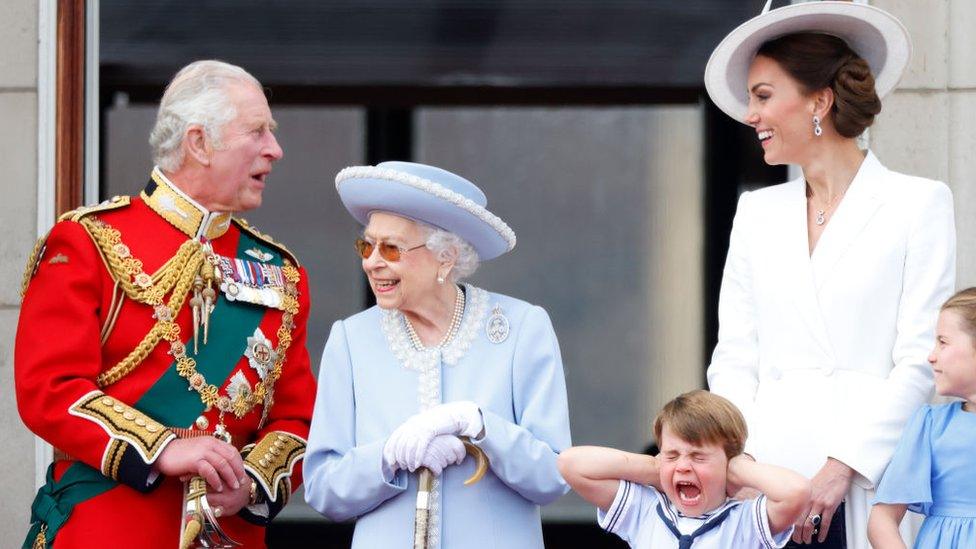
113	203
249	229
74	215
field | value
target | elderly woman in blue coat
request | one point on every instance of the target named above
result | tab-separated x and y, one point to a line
433	361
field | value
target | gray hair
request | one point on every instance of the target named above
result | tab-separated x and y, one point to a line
448	246
197	95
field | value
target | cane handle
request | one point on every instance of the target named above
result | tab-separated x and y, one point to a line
481	461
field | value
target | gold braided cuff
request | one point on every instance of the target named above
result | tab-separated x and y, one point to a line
127	426
271	460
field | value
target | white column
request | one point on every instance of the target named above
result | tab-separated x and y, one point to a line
925	128
19	108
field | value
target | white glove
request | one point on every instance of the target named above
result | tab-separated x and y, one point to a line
442	451
407	445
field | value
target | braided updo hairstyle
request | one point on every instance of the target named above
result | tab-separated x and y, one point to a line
819	61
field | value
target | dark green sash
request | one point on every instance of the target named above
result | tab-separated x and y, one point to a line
168	401
55	500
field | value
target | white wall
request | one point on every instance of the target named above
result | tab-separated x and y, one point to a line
926	127
18	225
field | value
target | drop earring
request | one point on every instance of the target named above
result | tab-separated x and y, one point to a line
817	130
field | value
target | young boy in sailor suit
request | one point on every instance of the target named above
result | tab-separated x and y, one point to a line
678	498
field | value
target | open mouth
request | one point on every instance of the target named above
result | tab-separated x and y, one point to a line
689	493
384	286
259	177
765	135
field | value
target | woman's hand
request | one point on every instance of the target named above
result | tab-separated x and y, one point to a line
443	450
829	486
407	445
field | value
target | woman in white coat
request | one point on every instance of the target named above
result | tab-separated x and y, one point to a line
833	281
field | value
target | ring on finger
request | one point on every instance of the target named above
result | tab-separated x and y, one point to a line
815	520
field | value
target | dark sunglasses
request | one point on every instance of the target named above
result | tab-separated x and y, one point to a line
389	252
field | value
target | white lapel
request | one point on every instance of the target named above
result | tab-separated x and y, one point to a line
851	216
797	258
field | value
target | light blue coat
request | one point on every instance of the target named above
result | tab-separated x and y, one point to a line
371	380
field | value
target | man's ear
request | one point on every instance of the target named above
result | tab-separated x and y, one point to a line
197	145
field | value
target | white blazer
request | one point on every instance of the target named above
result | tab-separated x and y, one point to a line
826	354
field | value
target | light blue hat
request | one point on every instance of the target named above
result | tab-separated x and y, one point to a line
428	194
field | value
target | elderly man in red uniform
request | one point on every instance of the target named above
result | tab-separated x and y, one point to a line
161	342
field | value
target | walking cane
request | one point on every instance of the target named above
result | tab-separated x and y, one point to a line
425	480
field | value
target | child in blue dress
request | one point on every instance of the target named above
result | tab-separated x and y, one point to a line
933	471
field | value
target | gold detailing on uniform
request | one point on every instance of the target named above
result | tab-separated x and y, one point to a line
183	272
252	498
251	230
127	270
204	298
113	203
272	459
125	424
113	458
33	260
59	258
175	276
112	314
173	206
40	541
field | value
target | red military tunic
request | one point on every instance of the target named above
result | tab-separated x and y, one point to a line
91	383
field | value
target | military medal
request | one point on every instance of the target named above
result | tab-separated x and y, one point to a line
251	281
497	327
260	354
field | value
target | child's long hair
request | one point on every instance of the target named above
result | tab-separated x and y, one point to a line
701	417
964	304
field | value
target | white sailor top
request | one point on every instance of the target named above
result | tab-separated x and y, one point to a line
644	517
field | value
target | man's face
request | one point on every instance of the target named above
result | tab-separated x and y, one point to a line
238	168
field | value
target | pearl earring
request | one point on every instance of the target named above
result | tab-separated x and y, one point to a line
440	279
817	130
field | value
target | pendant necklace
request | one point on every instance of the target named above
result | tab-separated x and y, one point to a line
821	213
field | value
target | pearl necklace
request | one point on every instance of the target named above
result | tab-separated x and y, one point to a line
452	329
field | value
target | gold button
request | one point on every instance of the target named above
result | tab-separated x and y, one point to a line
140	422
128	415
152	427
107	401
262	463
118	408
202	423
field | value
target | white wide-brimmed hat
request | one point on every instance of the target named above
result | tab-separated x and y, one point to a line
428	194
874	34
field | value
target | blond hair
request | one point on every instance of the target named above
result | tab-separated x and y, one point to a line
701	417
964	303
